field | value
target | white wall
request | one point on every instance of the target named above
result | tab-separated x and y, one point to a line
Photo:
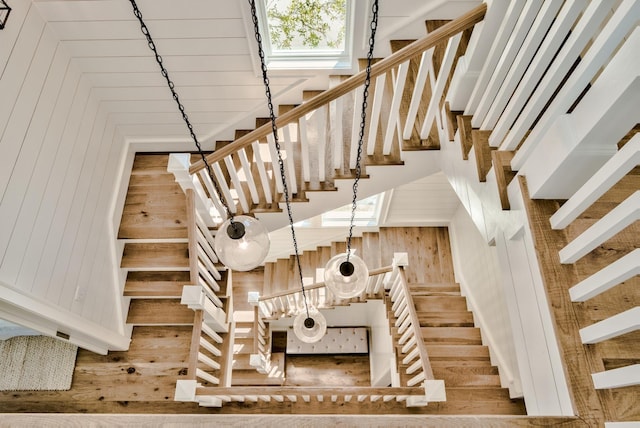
58	165
478	271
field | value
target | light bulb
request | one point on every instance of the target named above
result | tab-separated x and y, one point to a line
242	245
312	328
346	279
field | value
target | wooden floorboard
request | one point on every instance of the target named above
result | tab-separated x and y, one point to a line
580	362
289	420
327	370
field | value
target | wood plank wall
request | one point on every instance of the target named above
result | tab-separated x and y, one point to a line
59	157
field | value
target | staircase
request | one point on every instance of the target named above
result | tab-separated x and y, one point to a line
454	344
155	256
506	131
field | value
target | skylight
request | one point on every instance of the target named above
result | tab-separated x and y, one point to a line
307	33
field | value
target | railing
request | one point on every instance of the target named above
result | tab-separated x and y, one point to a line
413	352
290	302
211	302
553	87
261	357
245	172
216	397
623	269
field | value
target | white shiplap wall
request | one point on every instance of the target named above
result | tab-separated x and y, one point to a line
58	160
477	270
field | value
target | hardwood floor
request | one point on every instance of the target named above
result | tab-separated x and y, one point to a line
327	370
143	379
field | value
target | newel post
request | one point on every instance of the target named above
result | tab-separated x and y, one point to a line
178	165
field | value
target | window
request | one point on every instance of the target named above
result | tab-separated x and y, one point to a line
307	33
367	213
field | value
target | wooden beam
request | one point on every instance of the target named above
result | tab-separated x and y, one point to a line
464	126
452	120
482	151
501	161
500	421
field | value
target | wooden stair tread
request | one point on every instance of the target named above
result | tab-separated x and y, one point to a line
443	319
466	335
159	312
243	345
441	351
244	330
250	376
164	256
155	284
155	206
241	362
440	303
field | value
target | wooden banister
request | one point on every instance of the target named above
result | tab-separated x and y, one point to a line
440	35
308	390
373	272
422	349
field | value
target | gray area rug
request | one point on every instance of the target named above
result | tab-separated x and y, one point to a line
36	363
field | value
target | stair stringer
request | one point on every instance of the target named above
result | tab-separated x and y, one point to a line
508	231
417	164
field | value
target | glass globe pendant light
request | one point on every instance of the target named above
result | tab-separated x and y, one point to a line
346	274
310	325
242	243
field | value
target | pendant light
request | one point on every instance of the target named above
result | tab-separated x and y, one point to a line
241	243
346	274
309	325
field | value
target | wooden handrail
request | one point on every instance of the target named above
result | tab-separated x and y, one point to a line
309	390
422	349
432	39
315	285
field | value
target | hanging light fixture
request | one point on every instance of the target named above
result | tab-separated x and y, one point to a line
346	274
241	243
309	325
4	13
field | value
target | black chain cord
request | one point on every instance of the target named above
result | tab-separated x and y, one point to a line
170	84
363	116
274	129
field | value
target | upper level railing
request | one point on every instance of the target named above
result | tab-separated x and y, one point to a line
621	217
402	56
210	298
290	302
319	137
